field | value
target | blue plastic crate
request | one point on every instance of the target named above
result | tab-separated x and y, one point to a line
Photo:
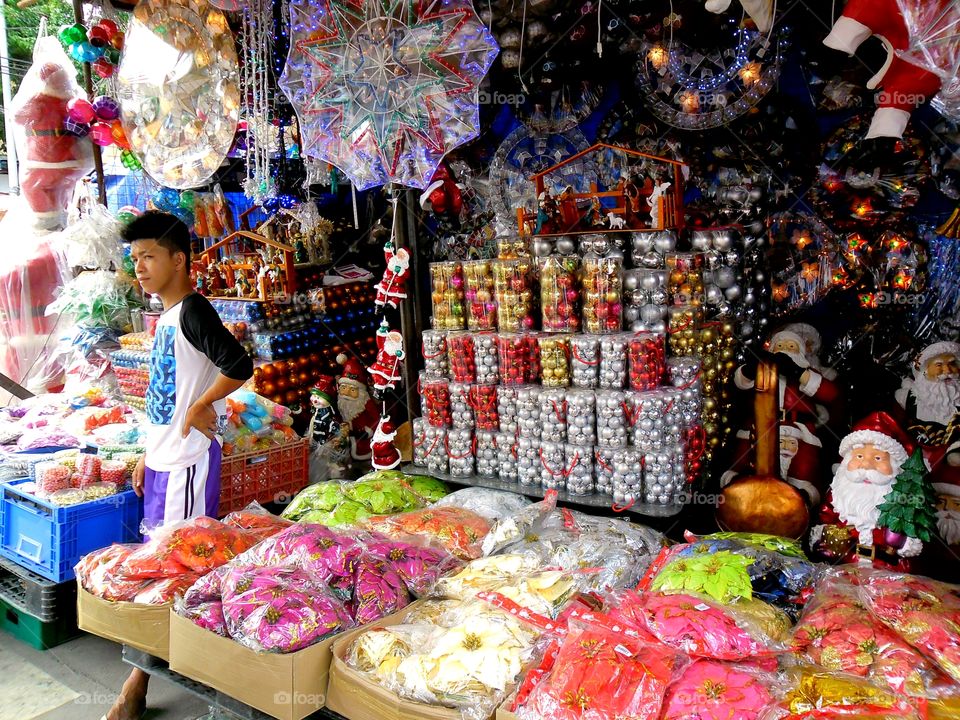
49	540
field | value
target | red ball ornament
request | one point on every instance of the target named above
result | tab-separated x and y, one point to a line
109	26
98	36
103	67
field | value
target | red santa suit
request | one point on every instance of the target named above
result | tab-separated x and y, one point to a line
361	412
385	454
904	85
443	195
52	159
392	288
386	370
847	531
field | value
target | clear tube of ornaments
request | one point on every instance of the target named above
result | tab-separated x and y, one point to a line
553	416
553	470
529	467
579	469
585	360
613	362
611	419
506	444
435	353
528	412
487	455
461	409
507	409
581	417
461	450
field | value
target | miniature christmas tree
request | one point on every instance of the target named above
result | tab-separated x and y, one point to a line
909	507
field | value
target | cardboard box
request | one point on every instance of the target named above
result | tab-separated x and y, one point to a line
357	697
144	627
285	686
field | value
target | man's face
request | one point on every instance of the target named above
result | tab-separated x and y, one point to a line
155	266
870	457
785	346
942	366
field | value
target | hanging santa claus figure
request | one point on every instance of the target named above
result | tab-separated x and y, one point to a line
385	453
386	370
392	287
849	530
443	196
52	159
932	401
356	406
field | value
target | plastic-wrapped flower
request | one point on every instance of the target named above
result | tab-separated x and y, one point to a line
710	690
721	575
459	531
383	495
823	695
322	496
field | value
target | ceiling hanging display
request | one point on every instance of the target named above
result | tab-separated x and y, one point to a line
384	89
178	89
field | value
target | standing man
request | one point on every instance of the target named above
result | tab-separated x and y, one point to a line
195	363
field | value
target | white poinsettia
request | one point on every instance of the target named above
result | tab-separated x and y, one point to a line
544	592
487	574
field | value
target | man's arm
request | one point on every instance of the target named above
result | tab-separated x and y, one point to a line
204	330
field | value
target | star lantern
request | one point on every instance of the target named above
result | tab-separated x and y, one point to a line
383	90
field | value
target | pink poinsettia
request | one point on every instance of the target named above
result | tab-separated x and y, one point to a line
712	690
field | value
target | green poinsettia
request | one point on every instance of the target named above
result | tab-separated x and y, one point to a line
782	545
345	514
320	497
430	489
383	496
721	575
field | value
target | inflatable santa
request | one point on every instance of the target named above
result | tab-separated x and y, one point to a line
385	453
356	406
385	371
932	401
903	85
392	287
872	456
52	160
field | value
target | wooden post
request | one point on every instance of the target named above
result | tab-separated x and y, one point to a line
88	87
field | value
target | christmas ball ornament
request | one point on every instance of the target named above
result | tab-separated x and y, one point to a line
74	127
106	107
103	68
101	133
80	110
70	34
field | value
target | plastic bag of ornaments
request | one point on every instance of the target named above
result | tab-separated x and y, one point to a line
506	447
529	465
461	409
507	409
585	361
612	425
649	248
655	418
435	361
553	416
528	411
581	417
473	357
646	300
461	453
612	374
435	400
519	356
486	454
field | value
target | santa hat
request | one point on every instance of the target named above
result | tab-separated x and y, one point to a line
353	371
386	427
809	334
940	348
800	432
56	81
880	430
785	334
324	388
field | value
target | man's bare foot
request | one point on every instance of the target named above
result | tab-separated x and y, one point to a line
132	701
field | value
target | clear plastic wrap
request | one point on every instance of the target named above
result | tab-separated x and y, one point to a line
342	504
257	520
697	626
480	297
420	568
712	690
99	573
469	661
513	526
51	159
92	240
837	632
167	590
459	531
602	280
494	505
197	545
603	672
926	613
272	609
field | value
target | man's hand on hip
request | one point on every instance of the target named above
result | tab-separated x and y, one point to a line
201	417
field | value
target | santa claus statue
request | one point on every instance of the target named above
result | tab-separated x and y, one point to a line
385	453
52	160
386	370
804	395
932	401
392	287
324	424
872	456
356	407
443	196
812	345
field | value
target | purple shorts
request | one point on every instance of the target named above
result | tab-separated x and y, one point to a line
184	493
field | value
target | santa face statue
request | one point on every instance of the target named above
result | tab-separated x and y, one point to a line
788	449
860	485
936	389
792	349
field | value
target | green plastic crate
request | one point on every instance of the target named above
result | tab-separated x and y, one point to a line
33	631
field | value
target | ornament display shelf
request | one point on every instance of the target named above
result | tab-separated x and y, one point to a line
226	704
596	500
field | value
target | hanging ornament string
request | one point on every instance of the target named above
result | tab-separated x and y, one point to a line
257	48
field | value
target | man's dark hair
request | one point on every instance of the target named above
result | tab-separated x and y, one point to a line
169	232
